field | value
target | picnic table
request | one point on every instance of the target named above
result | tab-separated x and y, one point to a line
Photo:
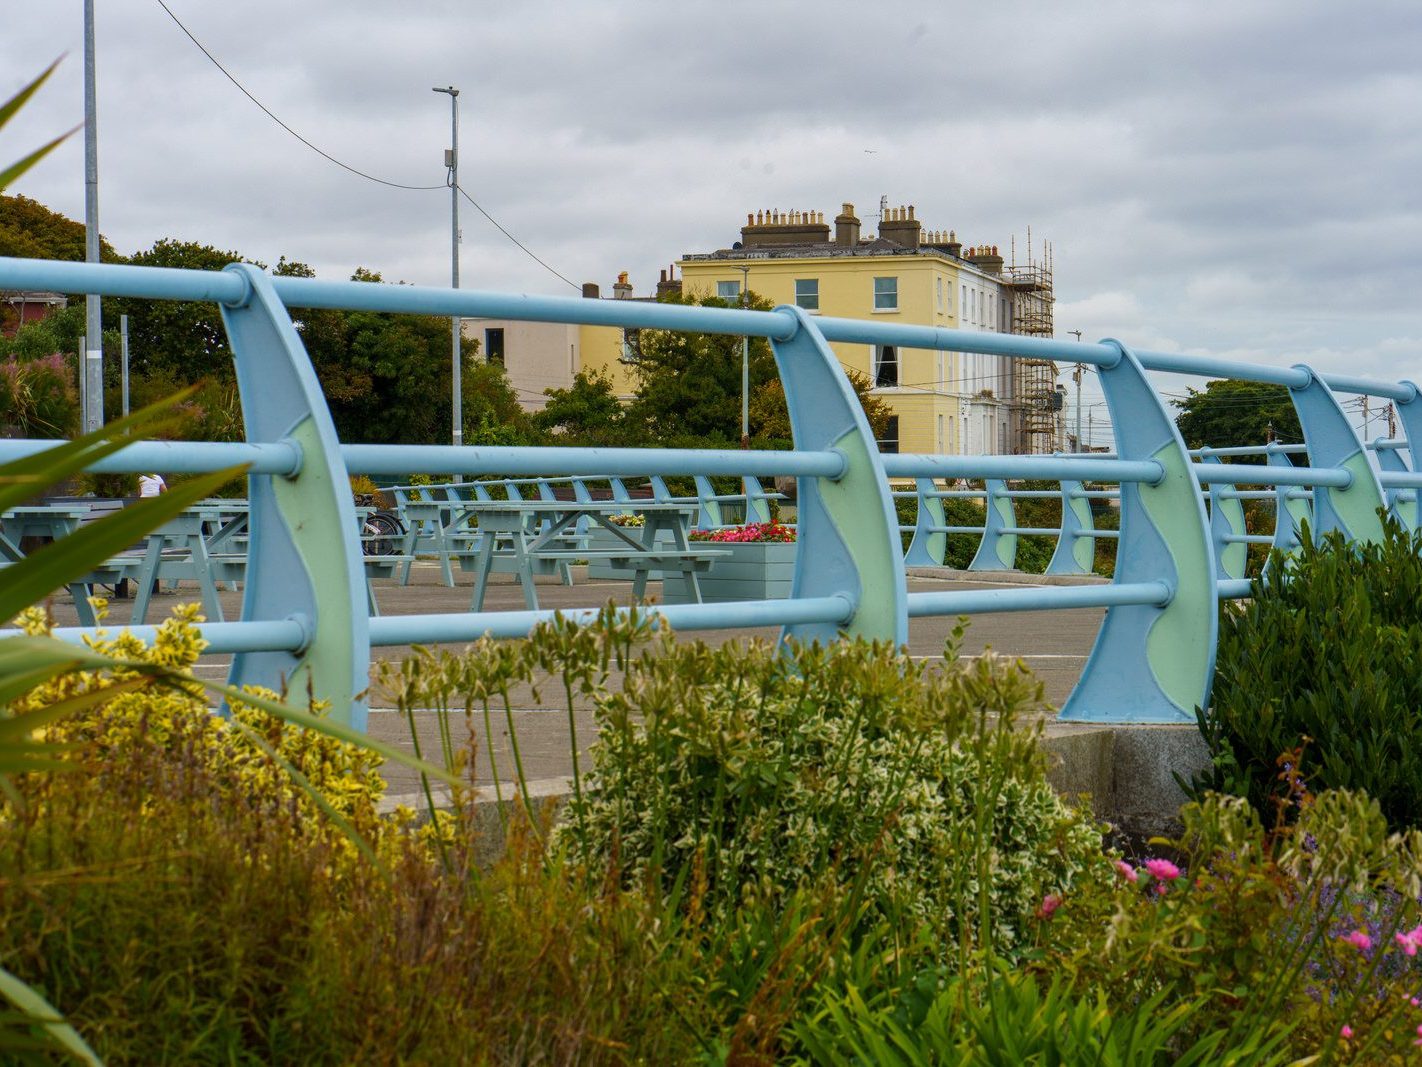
530	532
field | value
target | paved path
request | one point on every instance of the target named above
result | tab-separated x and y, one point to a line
1054	644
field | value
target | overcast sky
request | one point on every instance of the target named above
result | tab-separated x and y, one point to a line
1228	178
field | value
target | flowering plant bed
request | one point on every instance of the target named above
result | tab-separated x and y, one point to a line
750	533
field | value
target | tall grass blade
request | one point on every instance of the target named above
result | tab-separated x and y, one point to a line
41	1013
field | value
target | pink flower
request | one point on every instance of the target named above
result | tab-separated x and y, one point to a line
1160	888
1359	940
1419	1036
1346	1032
1407	942
1163	869
1414	1002
1050	903
1126	871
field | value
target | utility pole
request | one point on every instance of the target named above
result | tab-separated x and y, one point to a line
1391	420
123	333
91	368
1076	376
745	363
451	162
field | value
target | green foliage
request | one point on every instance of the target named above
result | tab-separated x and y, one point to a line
38	397
1230	413
1317	660
182	340
29	230
587	413
758	773
689	384
1008	1019
770	417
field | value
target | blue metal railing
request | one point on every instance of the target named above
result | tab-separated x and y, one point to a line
303	618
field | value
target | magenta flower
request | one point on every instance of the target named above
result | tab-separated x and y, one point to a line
1126	871
1160	888
1359	940
1346	1032
1407	942
1419	1036
1414	1002
1162	869
1050	903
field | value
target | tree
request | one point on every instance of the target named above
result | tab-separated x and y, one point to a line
387	377
689	384
587	413
1231	413
183	339
29	230
770	417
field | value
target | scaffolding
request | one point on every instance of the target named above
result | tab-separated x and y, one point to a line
1037	402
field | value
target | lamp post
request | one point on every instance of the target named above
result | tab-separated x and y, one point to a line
745	363
451	162
91	367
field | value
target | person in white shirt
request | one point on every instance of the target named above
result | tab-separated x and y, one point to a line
151	485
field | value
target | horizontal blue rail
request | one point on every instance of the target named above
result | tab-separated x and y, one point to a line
304	623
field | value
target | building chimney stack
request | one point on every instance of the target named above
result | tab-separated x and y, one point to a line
622	290
591	291
846	227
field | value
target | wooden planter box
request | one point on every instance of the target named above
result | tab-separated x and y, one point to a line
753	571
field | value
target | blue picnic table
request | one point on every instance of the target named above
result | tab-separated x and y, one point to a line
530	532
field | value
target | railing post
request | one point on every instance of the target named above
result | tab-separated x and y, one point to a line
1409	413
304	558
1401	503
1332	443
929	547
1227	520
997	551
1074	554
847	528
1152	663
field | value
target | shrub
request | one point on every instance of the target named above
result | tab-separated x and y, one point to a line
751	773
1322	658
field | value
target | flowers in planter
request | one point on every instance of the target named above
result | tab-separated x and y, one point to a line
751	532
628	520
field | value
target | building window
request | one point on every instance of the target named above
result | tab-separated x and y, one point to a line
807	293
890	441
939	286
886	366
730	292
631	346
494	345
886	294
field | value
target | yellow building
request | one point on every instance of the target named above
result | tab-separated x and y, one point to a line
944	402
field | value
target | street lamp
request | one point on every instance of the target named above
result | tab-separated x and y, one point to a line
451	162
745	362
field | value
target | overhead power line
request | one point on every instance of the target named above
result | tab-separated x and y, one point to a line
514	239
271	115
342	164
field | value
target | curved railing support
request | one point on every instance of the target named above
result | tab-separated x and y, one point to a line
847	528
1226	527
1152	662
304	560
997	551
1409	413
1332	443
929	547
1075	552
